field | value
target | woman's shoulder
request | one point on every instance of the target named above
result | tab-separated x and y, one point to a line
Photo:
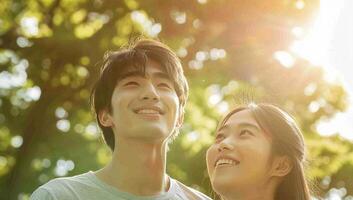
189	192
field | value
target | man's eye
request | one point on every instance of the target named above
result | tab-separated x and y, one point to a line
131	83
245	132
164	85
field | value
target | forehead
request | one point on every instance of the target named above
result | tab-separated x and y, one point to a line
154	67
147	69
241	117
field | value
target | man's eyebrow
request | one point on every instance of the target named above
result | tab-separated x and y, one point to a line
133	73
161	75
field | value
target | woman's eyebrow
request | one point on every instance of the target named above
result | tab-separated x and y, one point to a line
247	124
224	127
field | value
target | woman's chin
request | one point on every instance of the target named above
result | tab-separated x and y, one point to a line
222	184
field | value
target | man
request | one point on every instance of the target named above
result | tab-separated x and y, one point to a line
139	102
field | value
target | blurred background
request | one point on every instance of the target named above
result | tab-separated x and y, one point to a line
295	53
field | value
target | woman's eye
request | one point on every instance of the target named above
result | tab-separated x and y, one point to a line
245	132
219	137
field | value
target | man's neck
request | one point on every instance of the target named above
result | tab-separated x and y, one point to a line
138	168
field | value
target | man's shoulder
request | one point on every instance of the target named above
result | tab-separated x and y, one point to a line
62	188
191	193
67	181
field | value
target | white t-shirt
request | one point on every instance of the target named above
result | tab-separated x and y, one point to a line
88	187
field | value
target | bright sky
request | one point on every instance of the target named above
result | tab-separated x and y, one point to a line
330	44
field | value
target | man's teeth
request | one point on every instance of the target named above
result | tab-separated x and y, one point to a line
226	162
147	111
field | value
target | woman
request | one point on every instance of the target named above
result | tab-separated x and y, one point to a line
258	153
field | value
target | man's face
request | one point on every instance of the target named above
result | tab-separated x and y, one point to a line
145	106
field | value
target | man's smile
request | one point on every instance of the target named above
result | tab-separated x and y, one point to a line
149	112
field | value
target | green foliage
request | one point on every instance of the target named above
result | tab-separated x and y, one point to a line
226	48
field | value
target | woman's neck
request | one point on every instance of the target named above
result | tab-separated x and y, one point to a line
263	193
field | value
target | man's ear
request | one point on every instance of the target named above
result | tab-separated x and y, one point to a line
282	166
105	118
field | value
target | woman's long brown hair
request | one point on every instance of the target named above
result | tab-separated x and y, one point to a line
287	140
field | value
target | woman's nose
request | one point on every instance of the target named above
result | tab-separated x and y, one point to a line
225	144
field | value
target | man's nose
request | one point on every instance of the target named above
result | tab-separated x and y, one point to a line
149	92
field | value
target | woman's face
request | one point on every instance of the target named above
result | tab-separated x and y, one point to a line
239	159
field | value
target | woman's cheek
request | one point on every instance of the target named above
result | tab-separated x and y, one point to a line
210	157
